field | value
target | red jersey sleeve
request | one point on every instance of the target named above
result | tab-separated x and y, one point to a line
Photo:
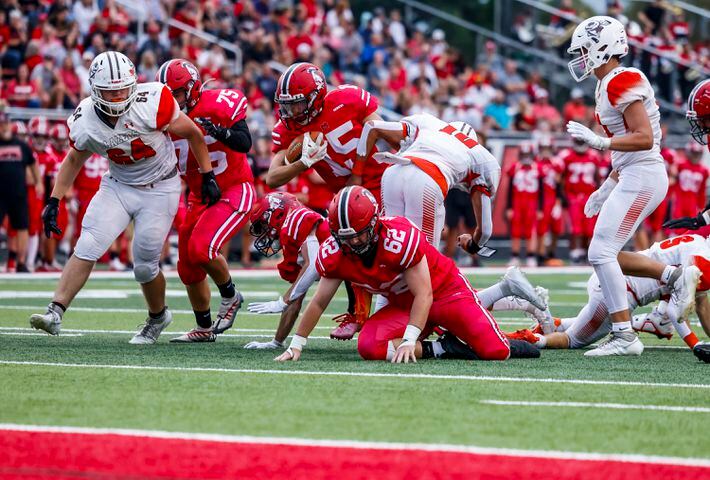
281	137
299	224
329	258
361	101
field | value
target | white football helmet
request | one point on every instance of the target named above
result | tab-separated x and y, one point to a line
596	40
112	71
466	129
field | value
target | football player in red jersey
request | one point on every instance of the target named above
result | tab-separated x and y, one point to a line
391	256
221	114
692	178
551	169
281	223
524	205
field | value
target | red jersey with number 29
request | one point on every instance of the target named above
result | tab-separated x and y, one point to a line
224	108
341	121
400	246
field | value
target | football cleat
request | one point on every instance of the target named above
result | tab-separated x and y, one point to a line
455	348
683	293
151	330
616	345
196	335
523	349
518	285
50	322
702	352
227	313
347	327
654	323
525	335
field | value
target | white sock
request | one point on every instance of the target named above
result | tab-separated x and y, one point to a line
541	341
32	248
667	272
437	349
491	295
621	327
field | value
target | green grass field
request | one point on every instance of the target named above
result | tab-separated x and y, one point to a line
91	377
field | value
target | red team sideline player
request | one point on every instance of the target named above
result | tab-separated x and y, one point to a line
391	256
221	115
524	202
691	179
551	223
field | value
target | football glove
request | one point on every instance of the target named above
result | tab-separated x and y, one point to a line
580	132
211	192
49	217
274	306
215	131
597	199
272	345
691	223
313	151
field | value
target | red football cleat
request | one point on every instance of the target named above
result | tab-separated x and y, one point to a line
347	327
524	335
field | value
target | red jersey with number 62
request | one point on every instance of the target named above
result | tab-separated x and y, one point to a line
224	108
298	225
341	121
137	146
400	245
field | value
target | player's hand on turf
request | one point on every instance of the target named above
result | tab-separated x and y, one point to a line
211	192
313	151
405	353
273	344
580	132
291	354
49	217
215	131
274	306
691	223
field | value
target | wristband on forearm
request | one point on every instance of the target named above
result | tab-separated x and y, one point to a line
411	334
298	342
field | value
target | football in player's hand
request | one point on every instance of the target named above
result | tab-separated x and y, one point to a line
294	150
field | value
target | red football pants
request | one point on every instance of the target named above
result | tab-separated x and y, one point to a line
460	313
205	229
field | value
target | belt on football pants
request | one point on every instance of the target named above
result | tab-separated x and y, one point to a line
433	171
170	175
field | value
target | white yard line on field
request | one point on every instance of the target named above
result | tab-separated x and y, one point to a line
419	376
38	334
357	444
613	406
115	293
253	332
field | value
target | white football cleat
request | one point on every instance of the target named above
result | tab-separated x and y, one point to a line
227	313
50	322
518	285
655	322
683	293
543	317
151	329
531	262
616	345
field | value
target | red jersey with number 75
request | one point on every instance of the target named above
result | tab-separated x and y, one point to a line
400	245
224	108
340	121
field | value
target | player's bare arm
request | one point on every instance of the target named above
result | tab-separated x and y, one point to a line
418	280
68	171
320	301
373	129
280	172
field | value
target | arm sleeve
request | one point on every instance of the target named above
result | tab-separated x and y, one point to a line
239	137
310	275
486	220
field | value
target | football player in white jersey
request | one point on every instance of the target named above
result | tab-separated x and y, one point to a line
126	123
593	322
433	157
627	111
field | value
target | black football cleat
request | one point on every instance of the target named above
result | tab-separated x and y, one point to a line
455	348
523	349
702	352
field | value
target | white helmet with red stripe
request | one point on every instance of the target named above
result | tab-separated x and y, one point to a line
596	40
353	219
114	84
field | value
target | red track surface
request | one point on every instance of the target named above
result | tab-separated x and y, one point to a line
50	455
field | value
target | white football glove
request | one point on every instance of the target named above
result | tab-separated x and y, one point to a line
272	345
597	199
313	151
274	306
580	132
391	158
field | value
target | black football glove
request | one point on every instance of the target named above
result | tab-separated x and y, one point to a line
474	248
211	192
691	223
49	217
215	131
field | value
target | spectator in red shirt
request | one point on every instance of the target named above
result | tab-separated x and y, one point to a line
575	109
298	37
21	91
542	110
72	83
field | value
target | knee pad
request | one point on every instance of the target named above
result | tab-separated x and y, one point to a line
190	273
145	272
88	247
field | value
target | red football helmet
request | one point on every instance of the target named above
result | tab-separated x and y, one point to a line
267	217
19	129
181	77
300	94
59	133
353	218
698	113
527	152
39	132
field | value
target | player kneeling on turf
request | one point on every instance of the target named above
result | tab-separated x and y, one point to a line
391	257
127	123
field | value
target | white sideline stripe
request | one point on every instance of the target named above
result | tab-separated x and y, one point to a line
273	273
358	444
615	406
38	334
120	293
424	376
80	333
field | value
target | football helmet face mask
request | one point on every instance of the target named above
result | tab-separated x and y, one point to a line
353	220
267	217
183	79
698	113
113	82
300	94
39	133
594	42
